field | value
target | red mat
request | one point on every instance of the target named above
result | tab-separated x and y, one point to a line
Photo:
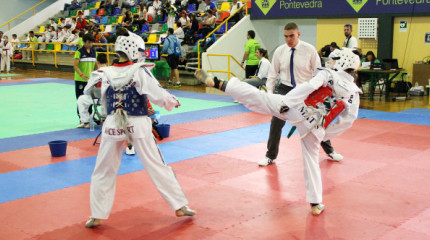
379	191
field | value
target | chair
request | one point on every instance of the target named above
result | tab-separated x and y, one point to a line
101	12
222	29
108	29
93	12
72	13
116	11
152	38
149	18
104	20
97	19
96	94
112	20
225	7
164	29
191	8
73	47
134	11
50	47
41	30
92	4
96	6
102	28
64	47
224	15
87	12
145	29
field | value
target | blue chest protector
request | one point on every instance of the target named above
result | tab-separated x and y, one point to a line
127	99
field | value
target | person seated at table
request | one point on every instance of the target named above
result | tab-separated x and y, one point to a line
370	58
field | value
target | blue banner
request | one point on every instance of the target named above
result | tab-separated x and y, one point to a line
341	8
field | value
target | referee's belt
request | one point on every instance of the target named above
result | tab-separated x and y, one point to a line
283	86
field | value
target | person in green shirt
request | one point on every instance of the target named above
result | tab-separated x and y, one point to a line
84	64
32	39
250	56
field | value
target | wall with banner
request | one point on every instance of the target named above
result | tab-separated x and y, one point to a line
336	8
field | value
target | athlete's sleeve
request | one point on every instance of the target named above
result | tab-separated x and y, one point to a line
94	79
147	84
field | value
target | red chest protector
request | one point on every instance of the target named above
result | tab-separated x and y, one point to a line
323	95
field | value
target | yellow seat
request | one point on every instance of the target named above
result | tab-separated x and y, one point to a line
57	47
225	7
102	28
96	6
119	20
41	29
152	38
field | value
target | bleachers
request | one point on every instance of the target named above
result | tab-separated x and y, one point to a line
108	21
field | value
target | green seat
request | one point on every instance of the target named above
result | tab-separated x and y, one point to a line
92	4
112	20
164	29
157	19
72	13
134	10
49	46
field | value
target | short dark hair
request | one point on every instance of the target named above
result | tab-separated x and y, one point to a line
179	24
31	32
122	31
334	45
210	11
170	30
291	26
88	37
14	35
348	25
251	33
102	58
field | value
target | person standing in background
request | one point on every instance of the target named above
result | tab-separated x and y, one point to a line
250	56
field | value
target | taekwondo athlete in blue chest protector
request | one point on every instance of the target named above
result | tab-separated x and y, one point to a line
126	86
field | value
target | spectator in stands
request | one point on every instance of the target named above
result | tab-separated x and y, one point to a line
185	20
196	2
27	55
211	6
208	24
235	5
6	53
110	5
84	64
60	35
173	50
62	23
128	18
260	77
158	7
171	15
47	36
73	6
194	24
327	49
81	24
53	24
141	20
127	3
85	101
92	27
179	33
101	39
249	56
14	42
73	25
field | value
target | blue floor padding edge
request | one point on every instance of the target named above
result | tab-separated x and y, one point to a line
411	117
75	134
33	181
68	82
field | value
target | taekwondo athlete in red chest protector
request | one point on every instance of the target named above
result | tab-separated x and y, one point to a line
126	86
312	107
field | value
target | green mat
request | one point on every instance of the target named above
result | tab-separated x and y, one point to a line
46	107
9	75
